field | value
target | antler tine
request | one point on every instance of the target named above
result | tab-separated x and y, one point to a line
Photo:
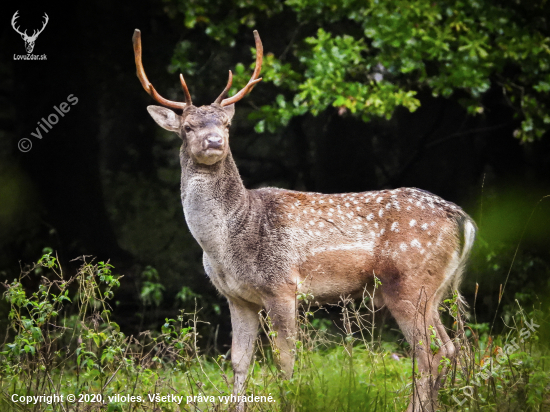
14	22
185	91
136	40
224	93
44	24
254	79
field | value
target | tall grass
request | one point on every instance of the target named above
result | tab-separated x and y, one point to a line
63	341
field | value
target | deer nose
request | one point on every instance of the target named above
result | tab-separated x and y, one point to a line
214	141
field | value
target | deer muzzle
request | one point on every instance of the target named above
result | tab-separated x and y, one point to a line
214	141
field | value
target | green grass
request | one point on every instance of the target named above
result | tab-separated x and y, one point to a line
63	341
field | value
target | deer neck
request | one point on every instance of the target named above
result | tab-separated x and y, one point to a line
210	195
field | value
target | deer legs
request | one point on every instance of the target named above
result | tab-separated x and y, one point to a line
424	331
282	313
244	321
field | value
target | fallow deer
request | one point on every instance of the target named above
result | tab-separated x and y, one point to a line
263	247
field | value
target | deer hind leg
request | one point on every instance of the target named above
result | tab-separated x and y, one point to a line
419	321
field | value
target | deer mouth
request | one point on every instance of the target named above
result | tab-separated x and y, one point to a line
214	147
212	151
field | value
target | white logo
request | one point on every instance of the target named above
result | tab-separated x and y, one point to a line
29	40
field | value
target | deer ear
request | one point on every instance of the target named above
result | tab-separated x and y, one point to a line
165	118
229	110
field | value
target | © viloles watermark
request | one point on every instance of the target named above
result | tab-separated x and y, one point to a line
25	144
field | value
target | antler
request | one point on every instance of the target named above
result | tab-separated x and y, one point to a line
36	33
251	83
136	40
13	19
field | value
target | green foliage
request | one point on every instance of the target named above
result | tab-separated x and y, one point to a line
151	288
505	373
64	343
368	58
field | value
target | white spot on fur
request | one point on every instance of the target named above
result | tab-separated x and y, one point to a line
347	204
321	224
415	243
394	226
412	223
382	231
368	246
403	247
370	216
331	201
424	226
381	212
379	199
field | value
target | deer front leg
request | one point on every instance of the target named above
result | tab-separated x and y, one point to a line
282	313
244	321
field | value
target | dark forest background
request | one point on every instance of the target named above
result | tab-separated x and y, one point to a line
104	182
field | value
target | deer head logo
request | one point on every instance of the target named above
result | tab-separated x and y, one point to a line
29	40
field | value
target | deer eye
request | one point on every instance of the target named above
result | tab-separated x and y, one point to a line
187	128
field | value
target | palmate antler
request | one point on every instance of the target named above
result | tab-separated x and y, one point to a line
136	39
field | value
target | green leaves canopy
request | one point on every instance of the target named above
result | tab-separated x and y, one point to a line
369	57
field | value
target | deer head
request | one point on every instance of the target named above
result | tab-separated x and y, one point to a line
204	130
29	40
